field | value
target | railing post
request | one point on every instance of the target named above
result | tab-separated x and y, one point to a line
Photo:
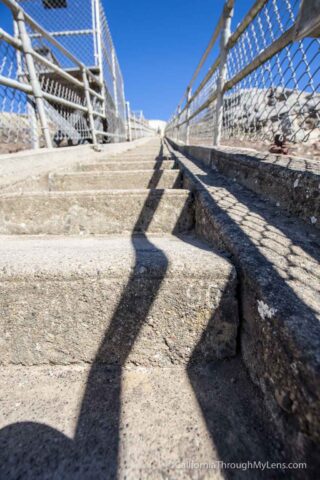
225	35
99	53
89	106
114	75
115	91
178	128
129	121
189	95
34	81
30	105
140	125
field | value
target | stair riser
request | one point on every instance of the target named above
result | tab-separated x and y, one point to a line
100	213
144	321
120	165
115	180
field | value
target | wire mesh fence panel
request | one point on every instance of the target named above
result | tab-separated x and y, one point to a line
71	22
115	104
15	128
74	69
139	126
68	121
280	97
271	90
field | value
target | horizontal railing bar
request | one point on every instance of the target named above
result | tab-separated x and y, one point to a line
65	33
228	5
98	114
272	50
24	87
9	82
200	109
14	42
57	69
251	15
62	101
16	8
202	85
285	39
203	59
17	44
107	134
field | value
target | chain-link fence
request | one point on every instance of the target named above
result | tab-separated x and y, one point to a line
263	90
15	106
138	126
60	80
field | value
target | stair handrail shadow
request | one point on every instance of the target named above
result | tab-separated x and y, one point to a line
38	450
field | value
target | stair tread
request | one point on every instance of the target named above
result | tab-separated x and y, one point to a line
111	255
117	191
167	417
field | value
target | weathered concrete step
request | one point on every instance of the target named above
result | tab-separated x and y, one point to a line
101	212
117	300
123	180
140	156
125	165
106	423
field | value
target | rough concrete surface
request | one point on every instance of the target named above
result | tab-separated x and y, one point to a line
127	165
123	180
277	259
18	167
101	212
290	183
156	308
140	423
137	301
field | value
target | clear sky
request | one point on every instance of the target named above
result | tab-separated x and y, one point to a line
159	44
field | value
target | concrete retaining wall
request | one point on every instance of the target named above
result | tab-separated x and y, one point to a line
289	183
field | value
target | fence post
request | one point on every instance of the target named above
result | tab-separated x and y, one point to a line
114	75
178	128
34	81
129	121
115	91
225	35
140	125
89	106
30	105
189	95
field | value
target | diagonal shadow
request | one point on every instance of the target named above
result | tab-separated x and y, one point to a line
259	248
32	450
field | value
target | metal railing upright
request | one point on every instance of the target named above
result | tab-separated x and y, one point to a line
263	84
60	86
138	126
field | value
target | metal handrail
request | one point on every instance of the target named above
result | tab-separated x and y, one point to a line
45	80
183	115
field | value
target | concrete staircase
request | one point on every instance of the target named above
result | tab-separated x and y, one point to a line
120	347
109	304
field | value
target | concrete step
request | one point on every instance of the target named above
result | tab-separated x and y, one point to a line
139	156
127	165
101	212
128	180
117	300
103	423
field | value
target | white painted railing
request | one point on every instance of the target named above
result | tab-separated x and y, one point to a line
263	85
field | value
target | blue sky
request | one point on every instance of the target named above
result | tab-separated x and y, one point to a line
159	44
